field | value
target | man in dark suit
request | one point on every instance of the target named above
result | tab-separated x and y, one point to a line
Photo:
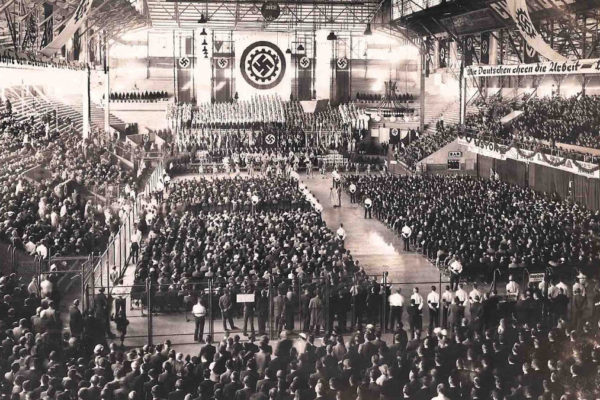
246	392
75	319
178	393
477	314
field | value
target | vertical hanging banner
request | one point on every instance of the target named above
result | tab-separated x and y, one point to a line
184	79
222	73
530	56
468	50
342	80
261	65
485	48
520	14
80	14
444	52
47	26
304	68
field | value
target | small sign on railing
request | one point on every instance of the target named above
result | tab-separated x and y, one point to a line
245	298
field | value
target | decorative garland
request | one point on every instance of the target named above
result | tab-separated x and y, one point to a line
503	149
583	168
525	155
562	161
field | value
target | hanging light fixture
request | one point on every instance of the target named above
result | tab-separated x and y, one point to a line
288	51
331	36
203	33
300	47
202	19
204	43
368	31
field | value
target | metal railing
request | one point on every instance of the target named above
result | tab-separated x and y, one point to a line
109	267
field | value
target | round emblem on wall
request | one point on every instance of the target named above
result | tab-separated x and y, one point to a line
342	63
304	62
270	11
184	62
394	132
262	65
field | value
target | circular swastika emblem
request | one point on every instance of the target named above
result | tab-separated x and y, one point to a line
304	62
342	63
222	62
394	132
270	139
184	62
262	65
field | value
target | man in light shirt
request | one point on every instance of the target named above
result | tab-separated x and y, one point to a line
513	290
462	296
416	301
456	269
447	298
341	233
368	207
396	301
136	238
474	293
406	234
433	302
199	312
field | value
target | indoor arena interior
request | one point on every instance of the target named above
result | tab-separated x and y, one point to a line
299	199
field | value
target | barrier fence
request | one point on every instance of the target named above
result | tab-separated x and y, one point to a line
266	307
109	267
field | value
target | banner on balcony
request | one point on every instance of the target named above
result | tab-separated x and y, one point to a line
520	14
542	68
69	29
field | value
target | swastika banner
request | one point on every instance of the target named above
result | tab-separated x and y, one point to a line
261	64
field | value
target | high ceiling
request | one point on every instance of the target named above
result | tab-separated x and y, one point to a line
22	22
347	15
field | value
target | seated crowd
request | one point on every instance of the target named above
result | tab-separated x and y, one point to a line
573	120
486	224
139	96
46	211
422	146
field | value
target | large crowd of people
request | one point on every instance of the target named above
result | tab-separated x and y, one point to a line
574	120
486	224
422	146
52	213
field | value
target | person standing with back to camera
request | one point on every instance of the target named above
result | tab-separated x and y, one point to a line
368	206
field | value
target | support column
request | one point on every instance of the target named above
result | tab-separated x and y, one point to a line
463	95
86	103
422	89
106	88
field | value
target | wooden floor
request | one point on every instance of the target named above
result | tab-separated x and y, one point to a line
377	248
